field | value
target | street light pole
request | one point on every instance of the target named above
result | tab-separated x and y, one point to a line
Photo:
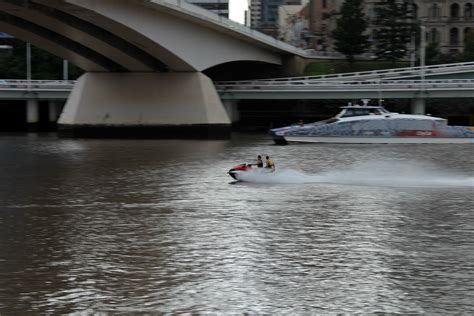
28	61
65	69
413	50
422	52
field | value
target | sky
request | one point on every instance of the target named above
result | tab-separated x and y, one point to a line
237	9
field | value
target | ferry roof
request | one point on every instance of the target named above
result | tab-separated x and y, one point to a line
362	107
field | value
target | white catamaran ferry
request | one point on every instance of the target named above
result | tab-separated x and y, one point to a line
375	125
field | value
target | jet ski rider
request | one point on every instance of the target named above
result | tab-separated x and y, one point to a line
270	164
259	162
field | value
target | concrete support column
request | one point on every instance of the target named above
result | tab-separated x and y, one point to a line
144	105
231	107
418	106
54	108
32	115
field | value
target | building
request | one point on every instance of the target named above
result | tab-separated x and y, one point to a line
219	7
255	13
264	15
446	21
293	24
323	15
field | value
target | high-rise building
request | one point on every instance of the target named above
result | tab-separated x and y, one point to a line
264	16
269	17
255	13
219	7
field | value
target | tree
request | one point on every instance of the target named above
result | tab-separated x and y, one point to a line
43	64
349	33
432	53
393	28
469	46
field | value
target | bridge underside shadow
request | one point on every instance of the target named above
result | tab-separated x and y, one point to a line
245	70
144	105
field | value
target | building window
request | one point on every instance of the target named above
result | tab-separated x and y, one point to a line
454	37
454	11
434	11
468	12
414	9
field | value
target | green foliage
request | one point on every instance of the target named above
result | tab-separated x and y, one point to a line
469	46
348	35
432	53
394	28
44	66
433	56
325	67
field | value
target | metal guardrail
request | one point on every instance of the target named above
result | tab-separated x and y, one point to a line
382	85
395	73
36	85
255	86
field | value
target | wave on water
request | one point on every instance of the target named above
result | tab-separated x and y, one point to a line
375	173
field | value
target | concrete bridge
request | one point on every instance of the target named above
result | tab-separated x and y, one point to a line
231	92
146	60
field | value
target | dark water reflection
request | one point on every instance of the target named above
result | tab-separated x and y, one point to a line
156	226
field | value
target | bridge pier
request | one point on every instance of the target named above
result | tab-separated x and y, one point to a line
231	107
144	105
32	115
54	109
418	106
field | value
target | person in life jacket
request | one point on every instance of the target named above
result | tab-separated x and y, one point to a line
269	163
259	162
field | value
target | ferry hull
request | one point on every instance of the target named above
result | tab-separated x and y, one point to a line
379	140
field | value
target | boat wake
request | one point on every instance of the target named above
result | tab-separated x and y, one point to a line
385	174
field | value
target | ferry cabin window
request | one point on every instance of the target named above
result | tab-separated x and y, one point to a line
360	112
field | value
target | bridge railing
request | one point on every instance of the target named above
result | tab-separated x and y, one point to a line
276	86
57	85
402	85
387	73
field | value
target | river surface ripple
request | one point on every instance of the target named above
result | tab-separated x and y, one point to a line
125	226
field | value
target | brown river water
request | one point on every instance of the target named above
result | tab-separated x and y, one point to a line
157	226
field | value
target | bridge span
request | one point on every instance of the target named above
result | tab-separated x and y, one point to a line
231	92
276	90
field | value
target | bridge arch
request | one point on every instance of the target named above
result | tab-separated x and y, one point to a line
127	36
